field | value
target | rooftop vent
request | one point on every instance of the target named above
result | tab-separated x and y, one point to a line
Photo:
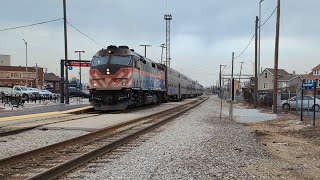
123	47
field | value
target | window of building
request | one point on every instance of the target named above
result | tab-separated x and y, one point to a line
284	84
265	75
265	85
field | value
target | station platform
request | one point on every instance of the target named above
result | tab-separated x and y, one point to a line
55	109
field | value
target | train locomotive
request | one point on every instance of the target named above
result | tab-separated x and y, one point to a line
121	78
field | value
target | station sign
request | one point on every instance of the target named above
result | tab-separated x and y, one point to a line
77	63
308	85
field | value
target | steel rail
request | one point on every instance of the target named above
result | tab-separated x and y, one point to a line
61	169
43	150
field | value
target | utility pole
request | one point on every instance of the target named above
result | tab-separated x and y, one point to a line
220	90
80	84
276	58
162	47
231	90
65	50
259	56
240	74
145	49
256	66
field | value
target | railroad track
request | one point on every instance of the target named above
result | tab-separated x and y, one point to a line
55	160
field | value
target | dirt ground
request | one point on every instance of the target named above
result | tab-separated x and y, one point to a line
293	148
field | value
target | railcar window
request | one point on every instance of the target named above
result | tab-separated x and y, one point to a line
99	60
122	60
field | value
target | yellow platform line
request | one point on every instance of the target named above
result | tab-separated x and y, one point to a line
43	114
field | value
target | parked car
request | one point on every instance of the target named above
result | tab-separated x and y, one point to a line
18	90
75	92
295	102
43	93
267	99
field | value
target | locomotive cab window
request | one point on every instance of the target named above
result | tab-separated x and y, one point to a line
122	60
99	60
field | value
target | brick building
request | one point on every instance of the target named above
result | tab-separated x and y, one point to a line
16	75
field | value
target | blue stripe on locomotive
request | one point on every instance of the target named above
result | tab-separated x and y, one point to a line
150	82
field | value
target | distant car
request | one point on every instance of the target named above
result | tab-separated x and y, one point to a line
295	102
267	99
42	93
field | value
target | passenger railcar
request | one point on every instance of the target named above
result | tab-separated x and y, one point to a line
120	78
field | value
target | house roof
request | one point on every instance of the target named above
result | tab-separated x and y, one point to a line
288	77
311	76
280	71
51	77
316	68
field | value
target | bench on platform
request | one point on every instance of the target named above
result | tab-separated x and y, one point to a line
17	101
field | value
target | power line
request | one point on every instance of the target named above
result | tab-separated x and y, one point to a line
18	27
269	17
254	34
86	35
246	47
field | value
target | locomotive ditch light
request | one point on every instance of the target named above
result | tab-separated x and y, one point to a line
110	52
94	84
123	83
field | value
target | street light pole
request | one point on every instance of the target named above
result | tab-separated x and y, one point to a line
25	42
80	85
145	49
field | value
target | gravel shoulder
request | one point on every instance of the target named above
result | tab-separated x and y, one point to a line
197	145
293	145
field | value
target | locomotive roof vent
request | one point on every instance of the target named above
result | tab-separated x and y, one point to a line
112	47
123	47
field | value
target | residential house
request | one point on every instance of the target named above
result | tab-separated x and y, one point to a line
285	80
314	76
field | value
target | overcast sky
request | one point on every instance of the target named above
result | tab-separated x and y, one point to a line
204	32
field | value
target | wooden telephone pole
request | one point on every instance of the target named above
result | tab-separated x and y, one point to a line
276	58
256	65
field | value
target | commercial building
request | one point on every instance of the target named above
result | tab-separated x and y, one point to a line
5	60
17	75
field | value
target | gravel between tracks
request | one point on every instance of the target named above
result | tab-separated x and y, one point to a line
26	141
197	145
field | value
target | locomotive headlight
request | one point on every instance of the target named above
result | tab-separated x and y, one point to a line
108	72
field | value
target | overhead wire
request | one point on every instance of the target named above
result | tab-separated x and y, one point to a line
29	25
50	21
86	35
254	34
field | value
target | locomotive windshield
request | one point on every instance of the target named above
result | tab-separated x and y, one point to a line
122	60
98	60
